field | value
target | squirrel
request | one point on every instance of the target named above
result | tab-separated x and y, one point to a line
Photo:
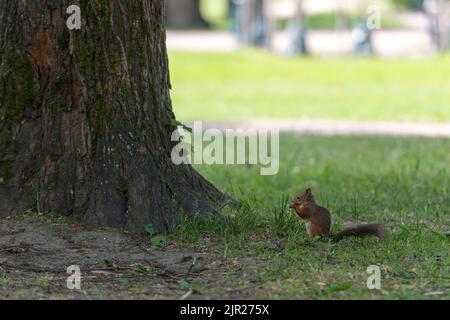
318	220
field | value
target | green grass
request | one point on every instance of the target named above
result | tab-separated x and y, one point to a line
401	182
249	85
328	21
216	13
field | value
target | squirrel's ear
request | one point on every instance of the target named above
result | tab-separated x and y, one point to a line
308	191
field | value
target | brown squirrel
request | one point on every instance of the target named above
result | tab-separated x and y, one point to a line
318	220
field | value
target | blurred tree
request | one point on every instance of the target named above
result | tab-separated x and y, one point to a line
438	12
86	118
408	4
252	22
300	30
443	17
184	14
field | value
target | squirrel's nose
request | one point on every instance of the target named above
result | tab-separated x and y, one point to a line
291	206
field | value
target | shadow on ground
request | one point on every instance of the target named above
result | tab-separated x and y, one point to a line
35	253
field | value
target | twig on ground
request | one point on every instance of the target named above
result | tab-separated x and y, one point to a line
187	294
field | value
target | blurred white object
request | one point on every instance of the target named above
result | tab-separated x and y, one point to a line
358	34
216	41
430	6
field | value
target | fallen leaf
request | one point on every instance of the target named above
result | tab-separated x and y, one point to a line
341	287
158	240
276	288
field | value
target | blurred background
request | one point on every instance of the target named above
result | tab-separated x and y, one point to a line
244	60
360	90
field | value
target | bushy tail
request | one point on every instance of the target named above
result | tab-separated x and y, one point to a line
362	230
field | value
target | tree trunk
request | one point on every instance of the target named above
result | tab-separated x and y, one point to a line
184	14
253	25
86	117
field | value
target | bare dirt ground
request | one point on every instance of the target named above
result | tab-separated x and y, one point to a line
36	251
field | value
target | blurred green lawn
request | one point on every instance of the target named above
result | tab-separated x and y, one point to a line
216	13
327	20
251	84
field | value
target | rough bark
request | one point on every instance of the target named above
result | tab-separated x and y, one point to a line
85	116
185	14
